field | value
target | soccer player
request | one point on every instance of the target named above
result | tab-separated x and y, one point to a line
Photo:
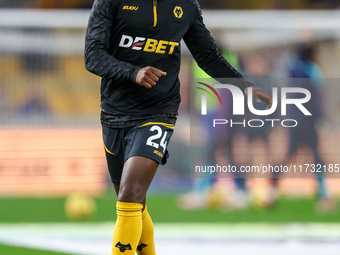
134	45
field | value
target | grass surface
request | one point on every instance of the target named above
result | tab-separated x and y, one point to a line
162	209
12	250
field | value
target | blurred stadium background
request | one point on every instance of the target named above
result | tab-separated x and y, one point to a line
51	147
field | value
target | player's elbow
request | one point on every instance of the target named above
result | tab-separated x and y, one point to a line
89	66
89	62
95	59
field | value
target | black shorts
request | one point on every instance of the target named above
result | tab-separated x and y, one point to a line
147	139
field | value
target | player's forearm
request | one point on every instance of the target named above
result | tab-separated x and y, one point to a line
214	64
99	62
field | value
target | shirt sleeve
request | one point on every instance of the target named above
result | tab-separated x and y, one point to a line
98	59
204	50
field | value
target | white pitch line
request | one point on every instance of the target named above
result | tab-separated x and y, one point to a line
182	239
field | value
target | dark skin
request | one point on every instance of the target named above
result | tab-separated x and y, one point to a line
260	95
138	172
137	175
149	76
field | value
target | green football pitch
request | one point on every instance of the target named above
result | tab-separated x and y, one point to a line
12	250
163	208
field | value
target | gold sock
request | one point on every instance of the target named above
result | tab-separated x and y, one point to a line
128	228
146	244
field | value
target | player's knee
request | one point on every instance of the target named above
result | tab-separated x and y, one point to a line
132	195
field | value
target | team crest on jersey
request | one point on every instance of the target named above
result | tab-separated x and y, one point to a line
178	12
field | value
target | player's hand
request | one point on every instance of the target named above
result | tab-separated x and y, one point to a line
260	95
149	76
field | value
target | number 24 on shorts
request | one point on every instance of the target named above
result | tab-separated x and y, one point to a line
159	134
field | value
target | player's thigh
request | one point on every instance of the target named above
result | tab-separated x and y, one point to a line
138	173
145	149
